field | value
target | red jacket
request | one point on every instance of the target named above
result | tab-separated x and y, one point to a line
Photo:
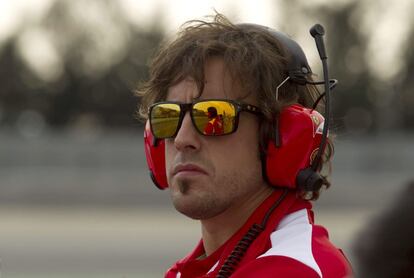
290	246
214	127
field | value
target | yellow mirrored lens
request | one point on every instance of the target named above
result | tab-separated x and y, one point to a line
214	117
164	119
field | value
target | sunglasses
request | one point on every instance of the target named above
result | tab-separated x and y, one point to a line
210	117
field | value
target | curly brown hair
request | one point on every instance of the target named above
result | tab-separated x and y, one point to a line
253	56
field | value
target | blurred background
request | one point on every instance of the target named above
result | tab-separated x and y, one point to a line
75	196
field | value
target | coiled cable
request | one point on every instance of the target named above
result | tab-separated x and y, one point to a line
233	260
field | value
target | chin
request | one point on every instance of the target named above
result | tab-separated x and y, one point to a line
196	206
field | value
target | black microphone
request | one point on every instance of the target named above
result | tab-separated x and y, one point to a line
310	178
317	31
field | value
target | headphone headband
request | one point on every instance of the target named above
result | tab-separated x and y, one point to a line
298	67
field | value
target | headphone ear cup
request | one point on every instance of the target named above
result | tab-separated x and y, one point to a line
300	133
155	156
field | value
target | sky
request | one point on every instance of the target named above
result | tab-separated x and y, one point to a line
385	24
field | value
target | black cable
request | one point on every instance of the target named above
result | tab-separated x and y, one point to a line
239	251
333	83
232	261
273	207
318	159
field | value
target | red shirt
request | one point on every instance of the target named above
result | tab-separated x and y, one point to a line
289	246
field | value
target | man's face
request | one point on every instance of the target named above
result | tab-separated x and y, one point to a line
208	175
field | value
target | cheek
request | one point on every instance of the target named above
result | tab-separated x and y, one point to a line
240	156
248	156
248	137
169	157
246	146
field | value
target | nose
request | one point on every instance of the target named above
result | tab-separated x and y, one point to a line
187	137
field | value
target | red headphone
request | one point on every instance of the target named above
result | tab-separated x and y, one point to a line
293	160
155	154
300	132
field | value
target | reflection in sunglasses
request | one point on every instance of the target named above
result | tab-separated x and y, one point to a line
216	117
210	117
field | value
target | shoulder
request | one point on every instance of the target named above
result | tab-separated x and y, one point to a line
299	249
275	266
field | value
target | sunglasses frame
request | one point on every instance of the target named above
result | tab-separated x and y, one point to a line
184	107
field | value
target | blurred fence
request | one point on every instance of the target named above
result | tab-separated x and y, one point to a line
109	168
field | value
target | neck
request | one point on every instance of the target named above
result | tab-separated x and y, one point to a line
217	230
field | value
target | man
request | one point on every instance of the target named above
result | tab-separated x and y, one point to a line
255	221
214	125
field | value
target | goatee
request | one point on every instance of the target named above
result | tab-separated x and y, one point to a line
183	186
